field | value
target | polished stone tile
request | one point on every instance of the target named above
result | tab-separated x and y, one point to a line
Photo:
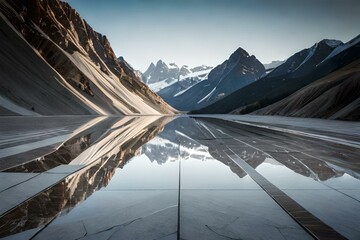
235	214
343	182
141	173
11	179
159	225
116	211
33	145
310	222
333	208
352	193
285	178
132	192
213	174
73	230
65	169
105	235
25	235
12	197
168	237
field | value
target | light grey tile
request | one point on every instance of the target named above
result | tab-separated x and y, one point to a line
59	232
238	214
12	197
107	210
157	225
65	169
8	179
333	208
23	235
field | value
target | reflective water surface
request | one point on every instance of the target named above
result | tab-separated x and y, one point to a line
172	178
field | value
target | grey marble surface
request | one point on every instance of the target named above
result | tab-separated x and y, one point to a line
155	178
17	194
332	207
235	214
9	180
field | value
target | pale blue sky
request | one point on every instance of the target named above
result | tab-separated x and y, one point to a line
195	32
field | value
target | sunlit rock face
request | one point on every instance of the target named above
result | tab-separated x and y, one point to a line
79	59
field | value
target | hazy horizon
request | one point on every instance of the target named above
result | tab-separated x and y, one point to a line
196	32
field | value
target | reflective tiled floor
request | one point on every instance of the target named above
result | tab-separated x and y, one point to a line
177	178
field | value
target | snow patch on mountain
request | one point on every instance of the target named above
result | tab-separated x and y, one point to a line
202	74
207	96
156	87
162	75
273	64
311	52
343	47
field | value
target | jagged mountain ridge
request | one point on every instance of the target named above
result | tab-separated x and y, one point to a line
162	75
300	70
236	72
304	61
81	66
127	66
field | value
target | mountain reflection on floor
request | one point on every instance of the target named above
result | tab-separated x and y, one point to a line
194	141
100	149
107	146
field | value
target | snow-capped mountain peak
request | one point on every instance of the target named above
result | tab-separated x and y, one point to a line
160	63
163	75
342	47
332	42
302	62
150	69
236	72
173	66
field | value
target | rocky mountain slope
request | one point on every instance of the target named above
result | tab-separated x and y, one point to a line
335	96
53	62
300	70
236	72
125	65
